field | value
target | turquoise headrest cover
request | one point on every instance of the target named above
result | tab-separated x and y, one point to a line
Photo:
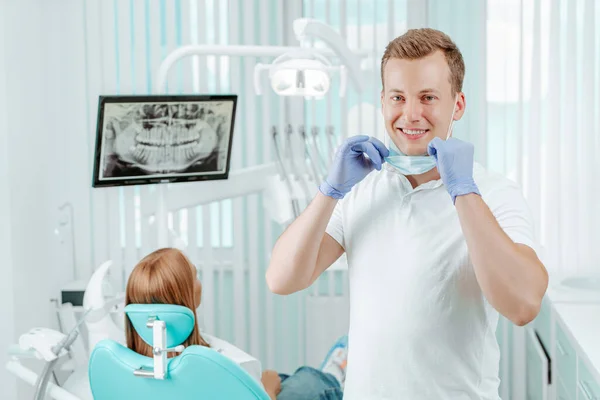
179	321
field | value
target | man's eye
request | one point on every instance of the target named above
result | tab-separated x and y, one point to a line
397	98
429	98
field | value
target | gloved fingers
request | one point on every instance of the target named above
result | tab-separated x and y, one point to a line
371	151
454	144
433	146
469	146
352	140
374	154
380	147
348	143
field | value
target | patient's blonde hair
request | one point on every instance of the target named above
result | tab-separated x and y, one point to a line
165	276
419	43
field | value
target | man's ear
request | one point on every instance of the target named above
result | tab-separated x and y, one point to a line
461	104
381	99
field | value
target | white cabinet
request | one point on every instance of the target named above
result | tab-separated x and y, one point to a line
553	353
537	367
566	360
562	393
588	387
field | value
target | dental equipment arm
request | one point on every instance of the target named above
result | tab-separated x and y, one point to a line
283	173
296	172
322	165
30	377
311	158
510	275
304	251
90	314
330	136
306	28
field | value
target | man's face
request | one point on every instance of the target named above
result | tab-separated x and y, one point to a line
417	102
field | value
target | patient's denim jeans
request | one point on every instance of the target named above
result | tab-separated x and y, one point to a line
309	384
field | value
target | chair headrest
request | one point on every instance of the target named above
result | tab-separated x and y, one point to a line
179	321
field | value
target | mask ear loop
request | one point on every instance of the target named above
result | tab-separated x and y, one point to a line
386	139
389	143
452	118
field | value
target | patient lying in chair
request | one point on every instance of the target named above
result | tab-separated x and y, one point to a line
166	276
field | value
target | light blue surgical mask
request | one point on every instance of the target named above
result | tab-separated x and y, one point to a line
409	165
414	165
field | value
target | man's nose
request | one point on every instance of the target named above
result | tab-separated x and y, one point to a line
413	111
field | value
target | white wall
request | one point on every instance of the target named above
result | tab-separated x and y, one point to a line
7	383
35	168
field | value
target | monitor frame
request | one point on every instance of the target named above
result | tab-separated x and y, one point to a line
157	177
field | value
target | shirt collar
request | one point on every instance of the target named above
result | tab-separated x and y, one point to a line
424	186
433	184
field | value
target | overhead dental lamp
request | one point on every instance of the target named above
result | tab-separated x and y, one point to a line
306	71
297	71
302	72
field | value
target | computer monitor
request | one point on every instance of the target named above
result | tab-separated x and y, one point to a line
163	139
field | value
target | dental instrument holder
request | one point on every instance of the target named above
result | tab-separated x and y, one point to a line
65	344
41	383
311	158
283	173
297	172
330	137
286	162
321	163
289	132
159	350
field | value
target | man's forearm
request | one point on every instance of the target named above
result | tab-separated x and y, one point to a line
294	255
510	275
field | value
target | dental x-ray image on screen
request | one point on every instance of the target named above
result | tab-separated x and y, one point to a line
161	139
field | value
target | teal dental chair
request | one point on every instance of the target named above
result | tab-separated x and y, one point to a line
198	372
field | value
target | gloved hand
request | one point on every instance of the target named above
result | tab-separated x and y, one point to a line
350	165
454	159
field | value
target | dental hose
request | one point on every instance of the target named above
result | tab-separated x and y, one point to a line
41	383
42	380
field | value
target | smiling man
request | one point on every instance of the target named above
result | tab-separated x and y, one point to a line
437	246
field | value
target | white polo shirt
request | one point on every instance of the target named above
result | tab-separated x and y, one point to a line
420	327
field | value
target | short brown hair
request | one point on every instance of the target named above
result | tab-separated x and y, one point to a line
419	43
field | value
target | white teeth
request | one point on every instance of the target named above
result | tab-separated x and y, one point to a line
413	132
159	146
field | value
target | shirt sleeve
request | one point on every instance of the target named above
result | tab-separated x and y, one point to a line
513	215
335	227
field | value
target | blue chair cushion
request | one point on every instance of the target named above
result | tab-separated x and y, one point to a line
179	321
197	373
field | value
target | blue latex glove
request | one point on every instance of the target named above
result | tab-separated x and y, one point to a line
455	164
350	165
